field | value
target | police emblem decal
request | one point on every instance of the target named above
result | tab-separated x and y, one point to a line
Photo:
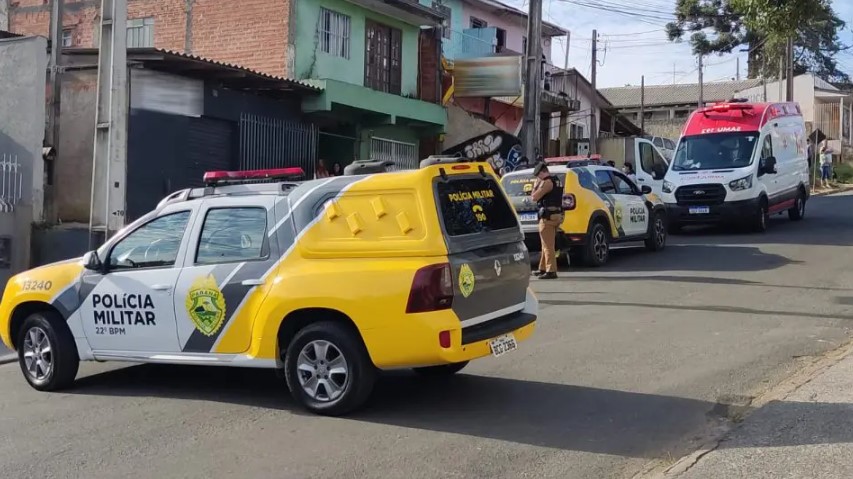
466	280
206	305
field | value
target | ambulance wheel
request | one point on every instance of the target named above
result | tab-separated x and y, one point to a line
47	352
597	248
761	217
328	370
797	212
657	233
441	370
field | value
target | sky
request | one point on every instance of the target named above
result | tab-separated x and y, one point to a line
632	46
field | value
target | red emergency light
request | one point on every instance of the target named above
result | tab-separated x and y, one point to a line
725	107
557	160
220	177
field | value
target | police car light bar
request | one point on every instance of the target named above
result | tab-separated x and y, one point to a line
212	178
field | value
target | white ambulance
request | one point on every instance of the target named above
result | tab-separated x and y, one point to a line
738	162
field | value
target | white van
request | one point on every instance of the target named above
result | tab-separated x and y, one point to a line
738	162
649	163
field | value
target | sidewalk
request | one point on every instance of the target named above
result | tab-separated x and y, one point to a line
808	434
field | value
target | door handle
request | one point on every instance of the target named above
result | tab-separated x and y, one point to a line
640	180
161	287
252	282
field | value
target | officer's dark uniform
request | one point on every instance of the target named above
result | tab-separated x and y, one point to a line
550	217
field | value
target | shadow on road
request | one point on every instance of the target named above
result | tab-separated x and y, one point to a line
692	258
557	416
526	412
828	222
712	309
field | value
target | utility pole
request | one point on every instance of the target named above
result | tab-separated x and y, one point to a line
642	105
701	84
55	92
109	164
593	128
782	63
737	73
789	60
533	83
568	41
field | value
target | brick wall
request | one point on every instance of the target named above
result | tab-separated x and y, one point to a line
251	33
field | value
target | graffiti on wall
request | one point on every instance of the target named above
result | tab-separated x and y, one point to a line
501	149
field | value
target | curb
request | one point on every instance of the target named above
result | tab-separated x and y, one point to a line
8	358
833	191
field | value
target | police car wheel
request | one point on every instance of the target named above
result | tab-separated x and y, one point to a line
47	352
442	370
328	370
657	233
597	250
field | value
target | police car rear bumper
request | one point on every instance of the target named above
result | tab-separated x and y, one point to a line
727	212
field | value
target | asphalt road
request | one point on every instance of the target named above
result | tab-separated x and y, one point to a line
630	365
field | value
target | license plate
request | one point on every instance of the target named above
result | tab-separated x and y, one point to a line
503	344
699	210
528	217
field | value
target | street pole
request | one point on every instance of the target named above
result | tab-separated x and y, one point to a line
109	163
782	62
568	41
701	85
737	73
642	105
593	127
55	92
533	82
789	59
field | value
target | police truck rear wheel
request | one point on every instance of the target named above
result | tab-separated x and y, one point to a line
47	352
328	370
597	249
442	370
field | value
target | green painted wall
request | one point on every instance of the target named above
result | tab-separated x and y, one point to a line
312	63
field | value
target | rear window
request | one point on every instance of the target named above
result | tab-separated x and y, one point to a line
473	205
522	185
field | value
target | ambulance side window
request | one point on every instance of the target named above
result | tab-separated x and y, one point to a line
153	245
767	147
233	234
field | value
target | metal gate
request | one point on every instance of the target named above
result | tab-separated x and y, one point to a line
272	143
404	155
11	187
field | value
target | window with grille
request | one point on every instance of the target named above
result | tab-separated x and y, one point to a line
68	38
140	33
334	32
383	58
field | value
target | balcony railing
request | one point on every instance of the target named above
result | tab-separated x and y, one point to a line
474	44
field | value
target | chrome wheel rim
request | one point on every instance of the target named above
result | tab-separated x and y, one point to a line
660	232
599	245
322	370
38	354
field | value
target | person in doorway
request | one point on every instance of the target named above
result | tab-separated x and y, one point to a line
548	194
336	170
629	171
321	171
825	164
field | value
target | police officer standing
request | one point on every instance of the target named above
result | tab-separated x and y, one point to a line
548	194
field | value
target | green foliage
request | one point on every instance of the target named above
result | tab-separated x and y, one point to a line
720	26
844	172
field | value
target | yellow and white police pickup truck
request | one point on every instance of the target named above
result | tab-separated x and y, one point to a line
327	280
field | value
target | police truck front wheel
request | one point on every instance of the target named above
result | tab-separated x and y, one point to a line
47	352
328	370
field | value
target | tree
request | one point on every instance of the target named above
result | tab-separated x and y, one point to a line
721	26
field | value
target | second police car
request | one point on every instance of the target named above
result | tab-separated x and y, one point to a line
326	280
602	207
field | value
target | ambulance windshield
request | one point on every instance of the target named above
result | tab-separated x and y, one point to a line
715	151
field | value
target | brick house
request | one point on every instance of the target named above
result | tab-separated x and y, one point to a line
373	61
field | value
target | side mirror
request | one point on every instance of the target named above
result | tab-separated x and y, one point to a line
646	189
92	262
768	165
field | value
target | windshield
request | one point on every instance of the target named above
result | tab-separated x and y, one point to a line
522	185
715	151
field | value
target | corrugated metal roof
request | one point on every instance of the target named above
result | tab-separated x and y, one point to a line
623	97
301	83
